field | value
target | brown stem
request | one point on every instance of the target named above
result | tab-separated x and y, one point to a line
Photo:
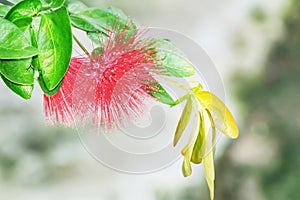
81	46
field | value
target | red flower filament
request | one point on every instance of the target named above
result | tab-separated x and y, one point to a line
111	85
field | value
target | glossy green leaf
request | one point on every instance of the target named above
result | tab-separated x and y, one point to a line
122	18
44	88
85	24
14	1
21	90
3	9
54	42
8	53
174	61
17	71
36	65
221	115
99	20
53	4
184	120
13	43
197	155
23	23
96	37
35	62
74	6
21	14
161	95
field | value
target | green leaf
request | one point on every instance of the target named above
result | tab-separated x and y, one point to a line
44	88
21	90
96	37
123	19
161	95
53	4
35	62
174	61
26	52
54	42
23	23
21	14
74	6
98	20
184	120
3	10
36	66
17	71
13	43
85	24
197	155
14	1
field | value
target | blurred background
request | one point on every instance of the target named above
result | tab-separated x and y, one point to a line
255	46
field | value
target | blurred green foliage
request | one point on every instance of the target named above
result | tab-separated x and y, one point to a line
258	14
272	99
34	154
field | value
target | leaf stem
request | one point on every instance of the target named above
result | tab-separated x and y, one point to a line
81	46
181	99
190	92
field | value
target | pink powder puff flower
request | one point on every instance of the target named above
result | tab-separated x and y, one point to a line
112	85
58	108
